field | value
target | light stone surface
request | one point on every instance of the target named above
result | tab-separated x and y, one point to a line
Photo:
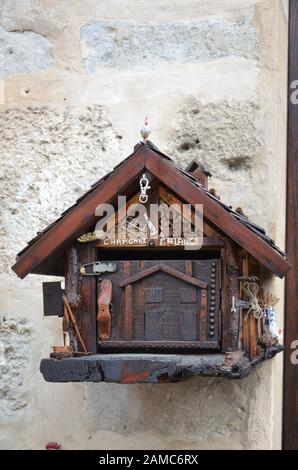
49	141
14	345
211	76
25	52
127	44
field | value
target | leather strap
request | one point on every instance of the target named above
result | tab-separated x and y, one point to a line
104	314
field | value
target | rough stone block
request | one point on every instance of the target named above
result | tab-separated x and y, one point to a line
126	44
23	52
14	350
49	158
223	136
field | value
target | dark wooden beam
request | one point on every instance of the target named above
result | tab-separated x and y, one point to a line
290	402
137	368
88	307
156	345
149	368
222	219
72	291
232	290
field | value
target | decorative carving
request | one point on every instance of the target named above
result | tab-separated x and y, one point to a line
88	237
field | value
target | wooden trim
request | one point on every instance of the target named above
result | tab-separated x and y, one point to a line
82	215
166	269
103	308
183	277
160	344
224	305
290	402
221	218
203	315
209	243
188	267
88	307
72	289
245	321
232	274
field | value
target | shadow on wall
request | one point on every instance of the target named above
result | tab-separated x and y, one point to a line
196	409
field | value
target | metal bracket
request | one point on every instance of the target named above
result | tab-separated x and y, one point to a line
238	304
96	268
242	304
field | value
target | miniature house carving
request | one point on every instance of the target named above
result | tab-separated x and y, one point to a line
146	309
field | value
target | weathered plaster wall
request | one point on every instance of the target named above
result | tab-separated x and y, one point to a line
77	79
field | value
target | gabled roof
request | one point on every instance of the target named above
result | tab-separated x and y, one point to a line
41	254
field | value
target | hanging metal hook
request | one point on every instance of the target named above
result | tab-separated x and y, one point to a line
144	186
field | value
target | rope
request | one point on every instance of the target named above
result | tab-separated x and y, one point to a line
251	289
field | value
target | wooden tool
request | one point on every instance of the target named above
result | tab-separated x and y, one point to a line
74	323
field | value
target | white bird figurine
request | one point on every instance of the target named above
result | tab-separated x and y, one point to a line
145	131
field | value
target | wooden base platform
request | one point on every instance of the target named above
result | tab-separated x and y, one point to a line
148	368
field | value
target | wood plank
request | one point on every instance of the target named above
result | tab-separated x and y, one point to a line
188	267
251	322
210	232
72	278
290	404
127	314
72	291
166	269
159	345
188	323
203	316
82	215
225	311
209	243
87	308
153	327
140	275
136	368
232	274
216	214
252	336
183	277
211	237
245	321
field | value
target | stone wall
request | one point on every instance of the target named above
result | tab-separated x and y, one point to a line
77	79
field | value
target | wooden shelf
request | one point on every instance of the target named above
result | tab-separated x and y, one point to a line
148	368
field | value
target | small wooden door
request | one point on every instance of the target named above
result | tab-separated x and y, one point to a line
164	304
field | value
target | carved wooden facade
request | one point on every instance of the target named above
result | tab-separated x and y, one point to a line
154	311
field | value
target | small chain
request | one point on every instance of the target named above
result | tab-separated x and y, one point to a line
144	186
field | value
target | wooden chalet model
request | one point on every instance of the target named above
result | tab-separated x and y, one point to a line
146	309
